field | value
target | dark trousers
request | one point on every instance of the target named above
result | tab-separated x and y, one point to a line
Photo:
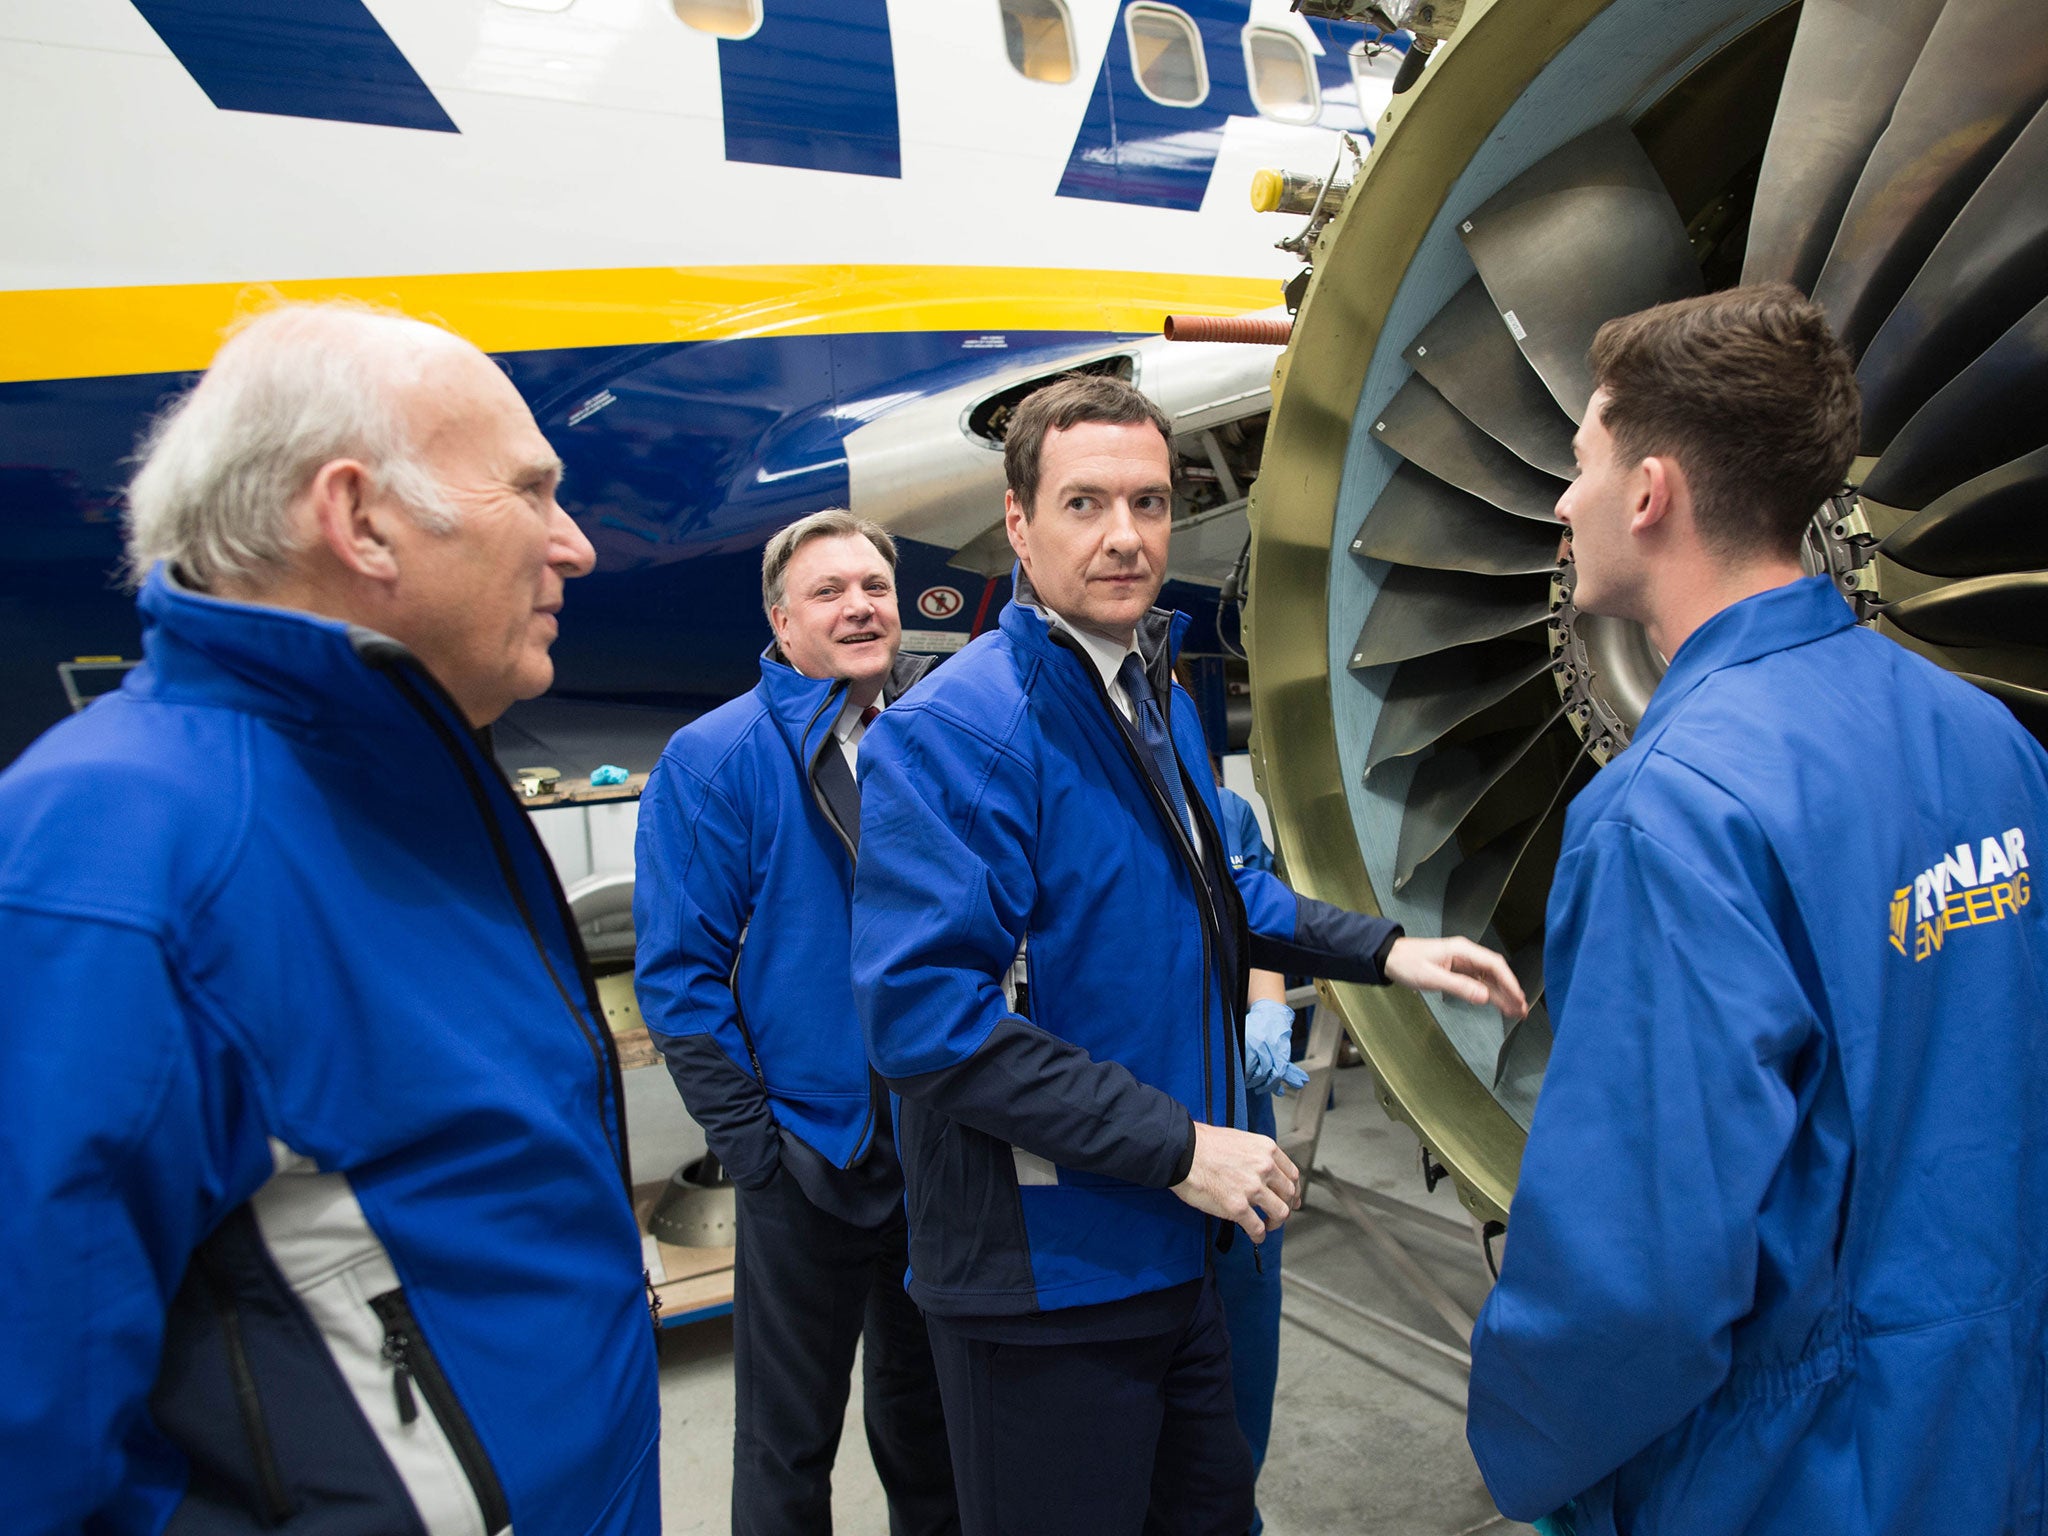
1248	1284
807	1287
1118	1437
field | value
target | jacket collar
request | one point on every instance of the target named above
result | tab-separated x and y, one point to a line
1158	639
804	708
1777	620
274	662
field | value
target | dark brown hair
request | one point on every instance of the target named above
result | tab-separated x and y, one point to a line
1067	402
1750	392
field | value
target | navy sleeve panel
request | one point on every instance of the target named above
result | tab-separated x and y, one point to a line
118	1160
692	897
1051	1098
731	1106
1300	936
1636	1229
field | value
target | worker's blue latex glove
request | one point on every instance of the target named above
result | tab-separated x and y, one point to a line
1268	1035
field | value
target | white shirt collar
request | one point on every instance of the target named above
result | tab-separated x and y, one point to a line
1107	655
848	722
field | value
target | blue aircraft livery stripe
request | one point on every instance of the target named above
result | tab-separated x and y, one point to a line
325	59
814	88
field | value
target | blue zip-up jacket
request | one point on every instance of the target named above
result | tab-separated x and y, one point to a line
1002	801
316	1214
1776	1261
741	904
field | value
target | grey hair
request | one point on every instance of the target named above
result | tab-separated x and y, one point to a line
299	386
833	522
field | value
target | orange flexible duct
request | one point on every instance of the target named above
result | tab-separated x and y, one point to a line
1254	328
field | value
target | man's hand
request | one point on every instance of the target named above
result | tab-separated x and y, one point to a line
1458	967
1240	1176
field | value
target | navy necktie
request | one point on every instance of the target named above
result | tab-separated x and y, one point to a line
837	784
1151	723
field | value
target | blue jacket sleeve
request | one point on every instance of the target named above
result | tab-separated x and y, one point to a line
1666	1111
120	1148
942	895
1299	935
692	895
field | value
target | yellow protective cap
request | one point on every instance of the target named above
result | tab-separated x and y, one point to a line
1267	188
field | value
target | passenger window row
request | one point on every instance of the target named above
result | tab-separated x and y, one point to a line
1165	46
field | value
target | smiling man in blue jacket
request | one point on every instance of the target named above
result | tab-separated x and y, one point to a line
1071	1126
1775	1262
749	833
317	1212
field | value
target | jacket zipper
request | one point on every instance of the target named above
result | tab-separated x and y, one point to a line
831	744
1211	923
604	1057
277	1507
413	1366
810	773
739	1014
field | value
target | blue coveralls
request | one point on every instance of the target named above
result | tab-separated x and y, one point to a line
1248	1280
1776	1262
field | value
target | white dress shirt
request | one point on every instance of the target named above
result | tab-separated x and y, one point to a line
849	728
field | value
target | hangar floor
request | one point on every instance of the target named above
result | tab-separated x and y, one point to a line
1368	1433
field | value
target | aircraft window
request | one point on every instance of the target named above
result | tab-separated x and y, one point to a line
721	18
1283	77
1040	39
1166	55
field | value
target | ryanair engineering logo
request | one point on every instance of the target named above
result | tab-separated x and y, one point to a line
1972	886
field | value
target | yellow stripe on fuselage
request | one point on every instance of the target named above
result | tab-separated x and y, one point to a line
70	333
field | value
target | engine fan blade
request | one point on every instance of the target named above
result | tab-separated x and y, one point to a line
1584	235
1467	353
1447	787
1987	271
1420	611
1422	426
2029	706
1996	522
1473	892
1978	421
1527	964
1980	78
1985	610
1432	694
1419	520
1524	1057
1849	63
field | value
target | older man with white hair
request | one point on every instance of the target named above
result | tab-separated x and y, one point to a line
318	1210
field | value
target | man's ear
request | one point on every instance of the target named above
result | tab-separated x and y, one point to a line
1658	486
778	621
352	521
1013	525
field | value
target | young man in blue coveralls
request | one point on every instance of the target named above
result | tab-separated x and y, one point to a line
749	833
1776	1261
1072	1146
317	1210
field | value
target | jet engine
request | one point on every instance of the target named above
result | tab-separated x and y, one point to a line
1428	699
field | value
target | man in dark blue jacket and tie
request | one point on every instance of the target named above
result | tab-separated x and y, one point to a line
749	830
1071	1127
